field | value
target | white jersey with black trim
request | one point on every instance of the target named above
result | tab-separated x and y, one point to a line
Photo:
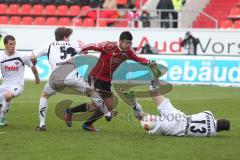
173	122
58	52
12	68
201	124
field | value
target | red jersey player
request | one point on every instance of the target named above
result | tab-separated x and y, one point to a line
112	55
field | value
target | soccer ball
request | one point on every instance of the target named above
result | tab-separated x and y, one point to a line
148	122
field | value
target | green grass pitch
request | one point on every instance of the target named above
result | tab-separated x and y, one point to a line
122	138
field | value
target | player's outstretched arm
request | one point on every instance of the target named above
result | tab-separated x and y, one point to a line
99	47
154	90
152	64
35	73
132	55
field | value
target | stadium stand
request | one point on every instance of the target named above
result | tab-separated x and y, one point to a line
59	12
225	12
80	13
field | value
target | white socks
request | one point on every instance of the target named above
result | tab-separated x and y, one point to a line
43	106
137	108
5	107
155	85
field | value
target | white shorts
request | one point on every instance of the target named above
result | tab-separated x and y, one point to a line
15	89
73	81
172	121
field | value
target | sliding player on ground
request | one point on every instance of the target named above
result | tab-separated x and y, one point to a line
172	122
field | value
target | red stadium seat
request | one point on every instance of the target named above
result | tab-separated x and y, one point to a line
13	9
50	10
235	12
77	21
88	22
74	10
27	20
3	8
39	21
25	9
121	2
52	21
226	24
16	20
37	9
237	25
85	10
64	21
4	20
92	14
102	23
62	10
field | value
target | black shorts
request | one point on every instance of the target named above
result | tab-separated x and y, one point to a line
101	86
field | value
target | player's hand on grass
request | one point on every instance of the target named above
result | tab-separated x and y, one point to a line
154	68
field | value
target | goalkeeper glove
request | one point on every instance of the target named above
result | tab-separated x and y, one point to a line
154	68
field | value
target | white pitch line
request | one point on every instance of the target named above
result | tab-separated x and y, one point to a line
3	132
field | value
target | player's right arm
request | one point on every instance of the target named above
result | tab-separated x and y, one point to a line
26	59
35	73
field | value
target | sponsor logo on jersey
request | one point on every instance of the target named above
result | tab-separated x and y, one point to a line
64	63
115	60
11	68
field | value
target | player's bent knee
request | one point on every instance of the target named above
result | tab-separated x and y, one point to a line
109	103
8	96
45	95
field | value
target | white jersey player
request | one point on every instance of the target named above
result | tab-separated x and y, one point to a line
172	122
59	52
12	69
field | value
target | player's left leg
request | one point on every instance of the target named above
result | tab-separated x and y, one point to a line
9	94
43	106
104	97
78	84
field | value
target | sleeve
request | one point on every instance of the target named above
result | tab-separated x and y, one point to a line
76	47
134	57
27	61
95	47
41	51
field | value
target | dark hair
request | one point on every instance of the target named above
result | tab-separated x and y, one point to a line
62	32
126	35
223	125
8	38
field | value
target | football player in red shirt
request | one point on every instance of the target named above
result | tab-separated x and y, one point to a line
112	55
